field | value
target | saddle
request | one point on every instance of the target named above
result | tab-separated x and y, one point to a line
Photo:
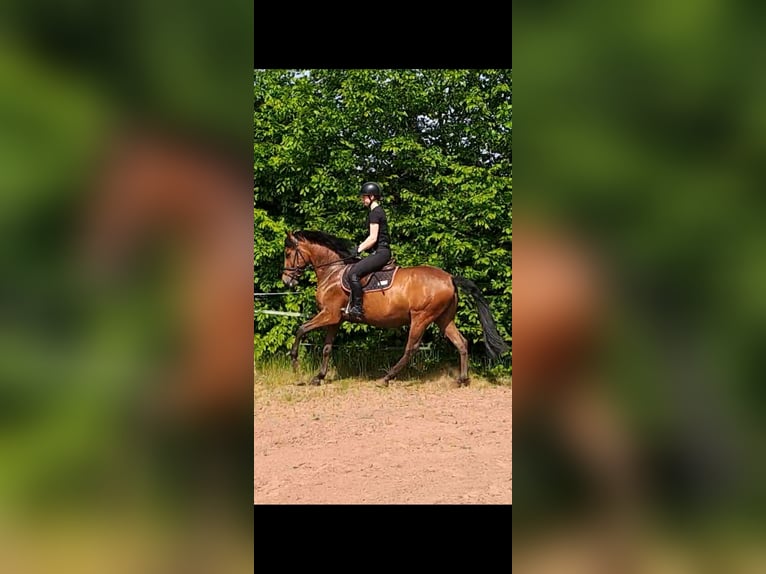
376	281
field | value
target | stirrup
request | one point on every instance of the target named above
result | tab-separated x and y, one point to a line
354	312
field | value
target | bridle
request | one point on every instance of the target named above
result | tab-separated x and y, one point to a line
298	267
295	270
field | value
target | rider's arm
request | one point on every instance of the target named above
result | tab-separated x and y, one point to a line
371	240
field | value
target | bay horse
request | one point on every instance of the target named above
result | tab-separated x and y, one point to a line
418	296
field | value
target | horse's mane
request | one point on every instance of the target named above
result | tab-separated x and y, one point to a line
343	247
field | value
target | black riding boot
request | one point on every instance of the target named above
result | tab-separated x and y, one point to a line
355	311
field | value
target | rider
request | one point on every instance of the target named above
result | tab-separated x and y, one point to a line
377	243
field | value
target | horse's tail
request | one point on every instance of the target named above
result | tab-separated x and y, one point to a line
496	346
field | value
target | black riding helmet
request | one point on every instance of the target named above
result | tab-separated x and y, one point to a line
371	188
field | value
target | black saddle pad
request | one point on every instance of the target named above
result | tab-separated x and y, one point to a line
375	281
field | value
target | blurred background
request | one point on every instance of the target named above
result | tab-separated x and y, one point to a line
639	282
125	337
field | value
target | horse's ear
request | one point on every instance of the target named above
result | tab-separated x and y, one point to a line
290	240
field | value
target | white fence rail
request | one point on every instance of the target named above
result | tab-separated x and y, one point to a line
287	313
272	312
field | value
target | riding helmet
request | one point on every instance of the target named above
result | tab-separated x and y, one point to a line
371	188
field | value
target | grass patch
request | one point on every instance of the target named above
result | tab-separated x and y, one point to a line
357	362
351	369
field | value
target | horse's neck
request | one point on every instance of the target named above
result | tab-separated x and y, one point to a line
321	258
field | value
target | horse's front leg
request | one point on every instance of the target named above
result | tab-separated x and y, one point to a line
322	319
332	330
294	349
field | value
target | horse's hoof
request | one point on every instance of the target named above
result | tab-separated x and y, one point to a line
316	381
463	382
382	383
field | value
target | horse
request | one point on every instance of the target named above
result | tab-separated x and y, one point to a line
418	295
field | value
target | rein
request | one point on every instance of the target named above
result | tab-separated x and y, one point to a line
296	270
333	262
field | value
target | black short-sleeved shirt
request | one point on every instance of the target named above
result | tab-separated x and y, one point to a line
378	216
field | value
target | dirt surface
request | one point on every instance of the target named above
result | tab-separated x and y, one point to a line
424	443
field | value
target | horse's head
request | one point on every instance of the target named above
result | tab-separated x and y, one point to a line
296	260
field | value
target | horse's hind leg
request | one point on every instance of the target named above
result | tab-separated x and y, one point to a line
446	324
332	330
417	329
457	339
